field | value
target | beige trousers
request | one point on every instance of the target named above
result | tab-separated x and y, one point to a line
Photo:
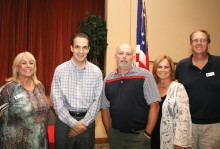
206	136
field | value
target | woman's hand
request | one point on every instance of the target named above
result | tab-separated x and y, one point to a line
178	147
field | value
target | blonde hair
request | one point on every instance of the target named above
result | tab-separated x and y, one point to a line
17	61
156	63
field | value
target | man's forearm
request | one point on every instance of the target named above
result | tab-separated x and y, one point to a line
106	119
152	117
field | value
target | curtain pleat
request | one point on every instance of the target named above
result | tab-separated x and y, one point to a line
44	28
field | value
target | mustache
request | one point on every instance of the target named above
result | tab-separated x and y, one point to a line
123	61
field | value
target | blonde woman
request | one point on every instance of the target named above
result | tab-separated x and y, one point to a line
24	107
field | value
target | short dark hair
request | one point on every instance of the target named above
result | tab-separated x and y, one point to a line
81	35
203	31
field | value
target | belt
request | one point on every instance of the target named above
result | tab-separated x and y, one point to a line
77	114
133	131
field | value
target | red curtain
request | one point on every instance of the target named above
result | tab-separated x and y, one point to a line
44	28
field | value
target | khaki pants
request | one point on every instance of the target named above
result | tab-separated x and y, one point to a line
206	136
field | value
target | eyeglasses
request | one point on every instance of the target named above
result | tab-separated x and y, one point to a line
199	40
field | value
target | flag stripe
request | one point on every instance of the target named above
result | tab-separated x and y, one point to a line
142	58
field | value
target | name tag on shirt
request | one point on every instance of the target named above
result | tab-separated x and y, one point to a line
19	96
210	74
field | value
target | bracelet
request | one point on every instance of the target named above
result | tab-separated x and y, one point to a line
147	134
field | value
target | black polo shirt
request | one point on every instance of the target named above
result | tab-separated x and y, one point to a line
203	88
129	96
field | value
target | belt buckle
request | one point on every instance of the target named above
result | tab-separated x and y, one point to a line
77	114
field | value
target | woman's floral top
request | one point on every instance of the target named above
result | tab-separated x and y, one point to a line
25	117
176	124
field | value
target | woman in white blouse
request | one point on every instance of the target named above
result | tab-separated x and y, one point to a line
175	124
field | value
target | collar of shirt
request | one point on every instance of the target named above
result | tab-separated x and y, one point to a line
210	61
76	68
132	69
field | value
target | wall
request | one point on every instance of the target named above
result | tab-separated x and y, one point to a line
170	23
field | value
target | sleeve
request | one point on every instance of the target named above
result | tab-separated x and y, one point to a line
4	100
151	92
105	104
177	71
182	120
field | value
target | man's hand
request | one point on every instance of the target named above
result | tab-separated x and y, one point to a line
79	128
148	139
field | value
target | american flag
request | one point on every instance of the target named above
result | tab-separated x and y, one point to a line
142	59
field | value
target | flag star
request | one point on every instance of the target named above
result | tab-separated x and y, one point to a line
143	42
142	34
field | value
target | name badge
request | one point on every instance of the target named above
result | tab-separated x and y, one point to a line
19	96
210	74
